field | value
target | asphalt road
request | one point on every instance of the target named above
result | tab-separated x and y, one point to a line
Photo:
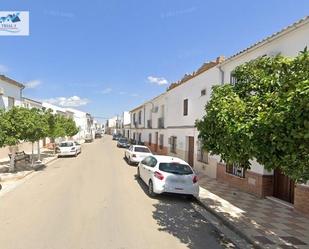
94	201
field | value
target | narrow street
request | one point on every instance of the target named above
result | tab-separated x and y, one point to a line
94	201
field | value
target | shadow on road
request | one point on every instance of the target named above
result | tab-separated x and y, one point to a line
175	215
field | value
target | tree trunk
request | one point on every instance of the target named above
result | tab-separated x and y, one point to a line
32	156
12	161
39	152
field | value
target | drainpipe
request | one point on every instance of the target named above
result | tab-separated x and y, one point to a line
222	75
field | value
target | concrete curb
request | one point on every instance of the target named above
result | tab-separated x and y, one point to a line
14	177
230	225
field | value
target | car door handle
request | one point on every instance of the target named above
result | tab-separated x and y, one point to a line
149	170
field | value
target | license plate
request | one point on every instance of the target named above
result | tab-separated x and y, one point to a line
178	181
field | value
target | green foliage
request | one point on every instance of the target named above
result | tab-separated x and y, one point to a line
70	127
55	124
21	124
264	116
37	126
14	123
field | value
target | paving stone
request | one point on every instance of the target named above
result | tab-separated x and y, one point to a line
293	240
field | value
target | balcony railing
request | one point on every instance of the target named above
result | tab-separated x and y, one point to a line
149	124
161	123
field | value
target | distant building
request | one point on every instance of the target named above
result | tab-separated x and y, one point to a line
30	103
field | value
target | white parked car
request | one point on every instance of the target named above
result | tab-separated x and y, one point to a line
68	148
136	153
165	174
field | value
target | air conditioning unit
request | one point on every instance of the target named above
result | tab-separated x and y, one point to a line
1	91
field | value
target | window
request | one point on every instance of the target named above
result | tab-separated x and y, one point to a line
152	162
161	141
233	79
11	102
134	118
141	149
150	138
173	143
202	154
203	92
235	169
185	107
140	117
176	168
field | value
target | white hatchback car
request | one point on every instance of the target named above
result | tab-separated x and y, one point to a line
136	153
165	174
68	148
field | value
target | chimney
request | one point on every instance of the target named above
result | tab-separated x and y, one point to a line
220	59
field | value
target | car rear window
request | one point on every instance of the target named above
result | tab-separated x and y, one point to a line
123	140
69	144
175	168
141	149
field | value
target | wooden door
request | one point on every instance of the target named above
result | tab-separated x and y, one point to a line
283	187
191	151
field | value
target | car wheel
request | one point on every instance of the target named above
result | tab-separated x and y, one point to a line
190	198
150	189
129	161
75	154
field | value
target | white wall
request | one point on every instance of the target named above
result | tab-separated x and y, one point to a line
10	90
289	44
80	119
190	90
126	118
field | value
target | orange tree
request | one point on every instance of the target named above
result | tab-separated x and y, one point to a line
264	116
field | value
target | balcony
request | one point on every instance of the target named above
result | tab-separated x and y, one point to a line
149	124
160	123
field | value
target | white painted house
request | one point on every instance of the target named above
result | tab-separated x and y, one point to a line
10	92
171	116
31	103
288	42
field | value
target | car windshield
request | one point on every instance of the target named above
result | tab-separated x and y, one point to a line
66	144
141	149
176	168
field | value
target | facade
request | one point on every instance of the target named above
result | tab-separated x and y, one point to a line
83	121
10	92
288	42
111	125
126	121
30	103
167	123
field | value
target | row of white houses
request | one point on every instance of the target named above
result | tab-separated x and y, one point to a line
166	123
11	95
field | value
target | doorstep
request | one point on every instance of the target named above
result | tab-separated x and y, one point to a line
282	202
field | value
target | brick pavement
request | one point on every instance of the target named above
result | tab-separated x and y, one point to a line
267	223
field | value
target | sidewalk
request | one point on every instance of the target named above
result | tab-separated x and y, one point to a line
265	223
24	169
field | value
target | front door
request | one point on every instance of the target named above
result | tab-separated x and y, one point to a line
283	186
191	151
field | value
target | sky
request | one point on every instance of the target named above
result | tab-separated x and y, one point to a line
106	57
